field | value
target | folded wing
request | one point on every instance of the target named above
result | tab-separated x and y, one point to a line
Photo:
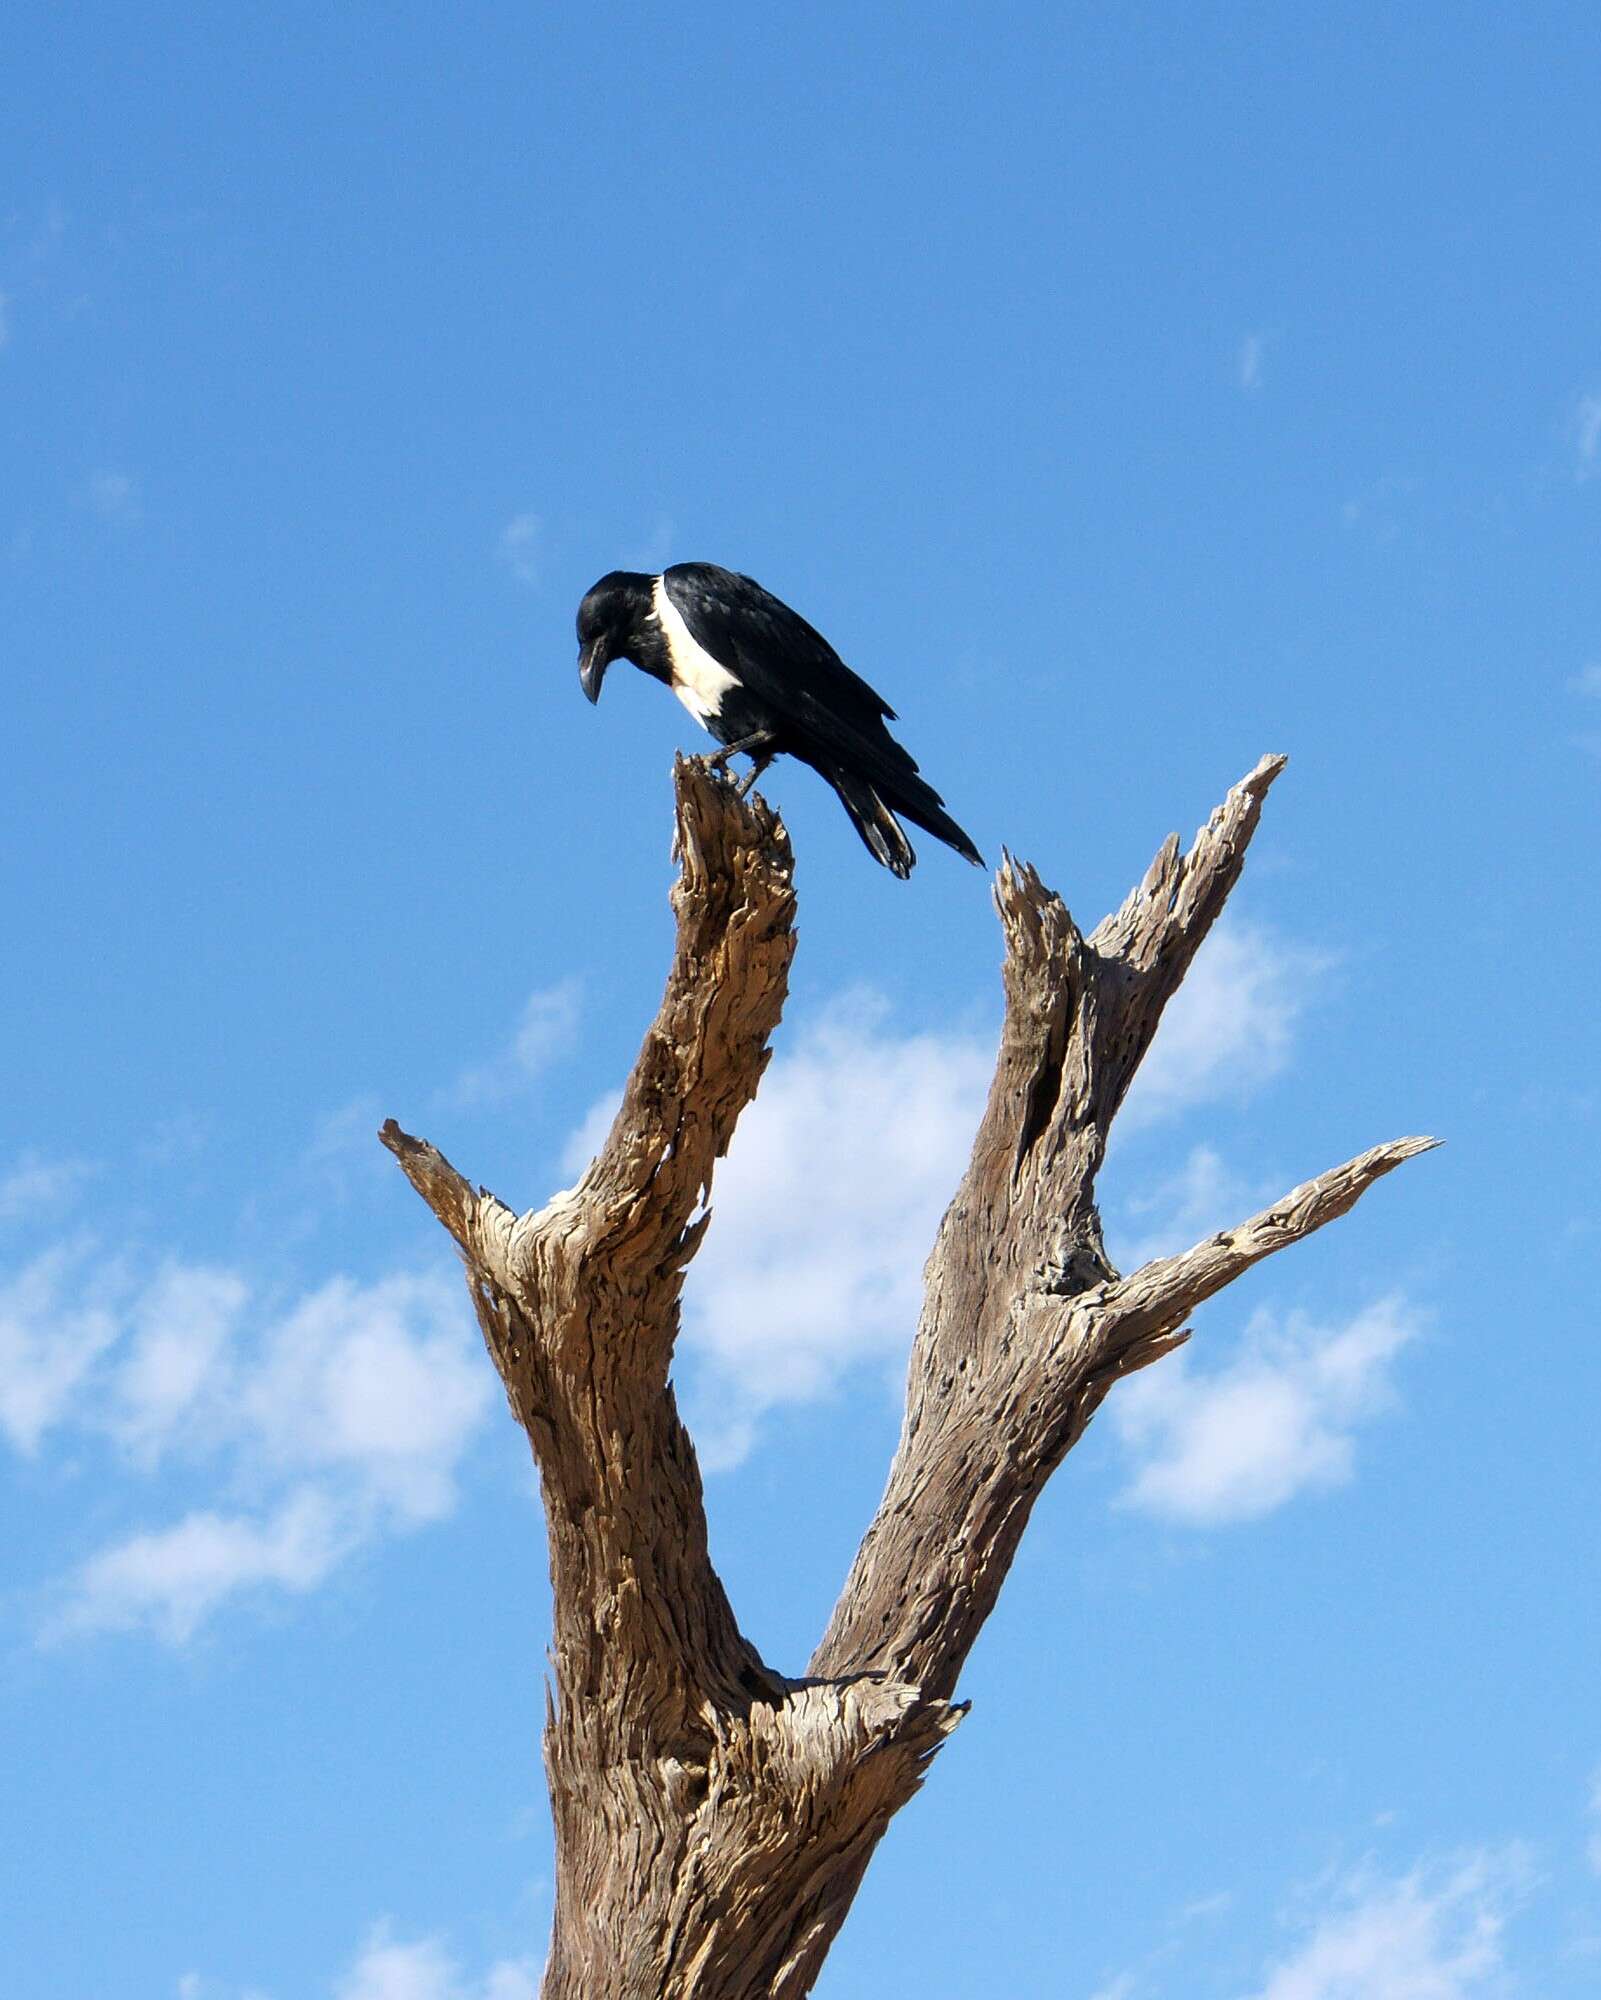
823	712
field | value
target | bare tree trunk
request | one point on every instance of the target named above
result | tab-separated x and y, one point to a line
714	1817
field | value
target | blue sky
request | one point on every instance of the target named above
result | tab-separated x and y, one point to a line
1128	393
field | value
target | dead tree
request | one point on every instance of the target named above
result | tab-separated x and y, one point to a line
714	1816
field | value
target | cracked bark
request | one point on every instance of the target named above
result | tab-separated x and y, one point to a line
713	1816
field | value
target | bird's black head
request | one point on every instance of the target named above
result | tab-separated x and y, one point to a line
609	625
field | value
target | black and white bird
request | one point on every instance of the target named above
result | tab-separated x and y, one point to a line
757	676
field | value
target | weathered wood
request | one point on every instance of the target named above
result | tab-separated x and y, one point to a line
713	1817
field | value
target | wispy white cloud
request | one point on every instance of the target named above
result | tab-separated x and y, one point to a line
1230	1027
35	1186
652	551
344	1152
46	234
522	546
113	495
827	1205
825	1211
172	1368
1203	1196
191	1986
1279	1418
182	1136
377	1386
1433	1934
1382	509
55	1323
546	1030
590	1133
171	1580
1140	1981
1587	434
1587	681
1253	352
386	1969
318	1428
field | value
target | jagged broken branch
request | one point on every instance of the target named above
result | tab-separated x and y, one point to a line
714	1817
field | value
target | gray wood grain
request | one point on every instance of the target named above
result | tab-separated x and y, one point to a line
713	1816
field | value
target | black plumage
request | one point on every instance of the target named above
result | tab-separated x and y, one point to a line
762	681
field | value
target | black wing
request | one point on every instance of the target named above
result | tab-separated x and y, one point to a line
775	653
827	716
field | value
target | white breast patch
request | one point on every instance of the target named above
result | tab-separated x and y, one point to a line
698	680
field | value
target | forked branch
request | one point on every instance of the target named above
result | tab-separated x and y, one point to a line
713	1818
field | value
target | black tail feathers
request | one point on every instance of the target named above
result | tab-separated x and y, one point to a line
882	833
924	810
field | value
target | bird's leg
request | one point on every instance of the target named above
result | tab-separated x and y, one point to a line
751	746
758	763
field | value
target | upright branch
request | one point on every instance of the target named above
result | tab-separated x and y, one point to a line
579	1300
1025	1324
713	1817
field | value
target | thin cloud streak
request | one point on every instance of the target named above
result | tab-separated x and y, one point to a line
522	548
180	1329
1279	1419
1593	1846
172	1580
1432	1934
56	1321
1203	1196
1231	1026
113	495
546	1030
34	1186
1587	434
1253	351
386	1969
1587	681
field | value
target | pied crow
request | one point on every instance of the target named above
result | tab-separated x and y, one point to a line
757	676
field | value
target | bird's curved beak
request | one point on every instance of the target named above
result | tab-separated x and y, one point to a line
592	664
